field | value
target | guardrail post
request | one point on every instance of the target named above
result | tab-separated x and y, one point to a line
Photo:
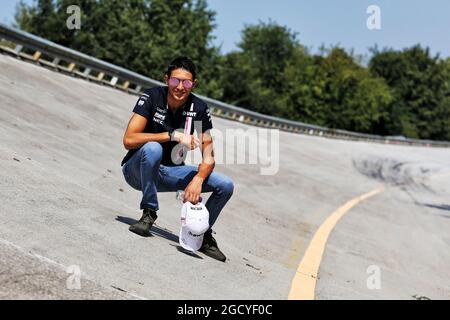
37	55
56	61
100	76
87	72
18	48
114	81
71	67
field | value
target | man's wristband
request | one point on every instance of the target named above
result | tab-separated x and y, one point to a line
171	134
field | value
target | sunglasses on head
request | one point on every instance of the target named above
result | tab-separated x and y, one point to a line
174	82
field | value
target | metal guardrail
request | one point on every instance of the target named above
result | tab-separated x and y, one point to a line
63	59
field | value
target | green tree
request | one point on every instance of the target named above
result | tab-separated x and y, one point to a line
41	18
253	76
269	48
420	84
333	90
141	35
354	100
302	93
274	74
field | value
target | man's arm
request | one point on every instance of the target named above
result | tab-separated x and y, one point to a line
207	148
135	137
193	190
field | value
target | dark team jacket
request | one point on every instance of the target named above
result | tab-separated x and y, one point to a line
152	104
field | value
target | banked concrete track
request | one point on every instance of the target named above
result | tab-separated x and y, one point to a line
64	202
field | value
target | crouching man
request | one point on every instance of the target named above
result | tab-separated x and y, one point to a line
154	162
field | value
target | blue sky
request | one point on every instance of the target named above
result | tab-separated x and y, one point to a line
403	22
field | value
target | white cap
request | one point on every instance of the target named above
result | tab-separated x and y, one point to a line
194	223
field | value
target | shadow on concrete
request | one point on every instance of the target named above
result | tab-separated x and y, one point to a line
155	230
189	253
440	207
445	207
163	233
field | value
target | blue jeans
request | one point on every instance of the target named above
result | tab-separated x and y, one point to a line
144	172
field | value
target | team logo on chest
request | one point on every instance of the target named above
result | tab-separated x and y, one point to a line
160	115
191	114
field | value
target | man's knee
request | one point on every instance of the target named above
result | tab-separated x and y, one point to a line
226	186
152	150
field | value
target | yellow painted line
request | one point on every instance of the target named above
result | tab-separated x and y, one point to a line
304	283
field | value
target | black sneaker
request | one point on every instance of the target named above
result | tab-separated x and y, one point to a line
142	227
210	248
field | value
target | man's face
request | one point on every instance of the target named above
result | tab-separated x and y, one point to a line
180	84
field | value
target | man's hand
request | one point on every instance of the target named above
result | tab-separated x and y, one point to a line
193	190
189	141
